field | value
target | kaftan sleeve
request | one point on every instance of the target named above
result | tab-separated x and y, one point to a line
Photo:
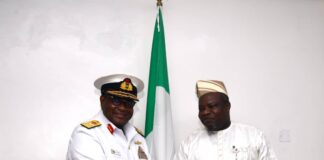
182	153
265	150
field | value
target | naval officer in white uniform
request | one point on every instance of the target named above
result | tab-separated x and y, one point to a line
221	139
108	135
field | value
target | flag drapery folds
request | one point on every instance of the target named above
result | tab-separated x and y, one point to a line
158	124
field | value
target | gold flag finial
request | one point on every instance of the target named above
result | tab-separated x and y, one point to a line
159	3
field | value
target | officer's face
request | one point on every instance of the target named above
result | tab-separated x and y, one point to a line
214	112
118	110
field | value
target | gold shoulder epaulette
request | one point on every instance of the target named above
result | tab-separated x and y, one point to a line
139	131
91	124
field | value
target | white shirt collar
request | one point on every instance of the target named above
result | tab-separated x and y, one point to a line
129	129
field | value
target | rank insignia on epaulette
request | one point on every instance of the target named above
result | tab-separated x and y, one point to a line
91	124
139	131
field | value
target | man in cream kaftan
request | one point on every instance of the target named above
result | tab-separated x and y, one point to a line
221	139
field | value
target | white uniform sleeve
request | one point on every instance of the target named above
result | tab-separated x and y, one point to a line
181	154
84	146
265	151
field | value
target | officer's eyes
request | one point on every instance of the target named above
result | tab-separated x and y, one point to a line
130	103
118	101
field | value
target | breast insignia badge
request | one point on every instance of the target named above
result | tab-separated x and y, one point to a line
138	142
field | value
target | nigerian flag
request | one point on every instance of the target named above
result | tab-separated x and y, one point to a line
158	125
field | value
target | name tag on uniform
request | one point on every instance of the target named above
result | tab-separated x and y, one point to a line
141	154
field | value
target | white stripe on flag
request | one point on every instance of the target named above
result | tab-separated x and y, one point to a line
161	138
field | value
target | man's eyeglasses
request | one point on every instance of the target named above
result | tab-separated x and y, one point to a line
117	101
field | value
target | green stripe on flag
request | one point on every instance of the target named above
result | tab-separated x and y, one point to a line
158	75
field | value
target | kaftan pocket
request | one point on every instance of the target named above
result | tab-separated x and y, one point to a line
244	153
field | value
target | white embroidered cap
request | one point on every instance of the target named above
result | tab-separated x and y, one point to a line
207	86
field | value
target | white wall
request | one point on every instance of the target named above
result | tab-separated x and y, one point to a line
270	54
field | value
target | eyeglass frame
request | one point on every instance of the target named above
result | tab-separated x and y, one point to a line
117	101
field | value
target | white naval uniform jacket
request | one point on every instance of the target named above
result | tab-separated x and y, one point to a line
238	142
99	143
